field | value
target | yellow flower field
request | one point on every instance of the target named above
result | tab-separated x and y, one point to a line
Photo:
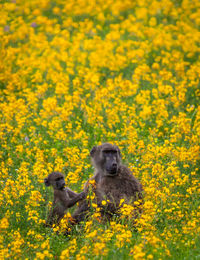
76	73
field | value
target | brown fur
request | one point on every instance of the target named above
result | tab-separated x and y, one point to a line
112	185
64	198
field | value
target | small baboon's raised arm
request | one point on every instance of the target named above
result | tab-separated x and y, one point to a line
114	182
64	198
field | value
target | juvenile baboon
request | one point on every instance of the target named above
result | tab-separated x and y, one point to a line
64	198
114	182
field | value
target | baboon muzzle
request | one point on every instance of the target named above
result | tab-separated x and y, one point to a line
112	169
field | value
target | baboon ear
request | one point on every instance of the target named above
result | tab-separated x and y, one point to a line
92	152
46	182
119	151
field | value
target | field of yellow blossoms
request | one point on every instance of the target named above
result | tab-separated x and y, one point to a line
77	73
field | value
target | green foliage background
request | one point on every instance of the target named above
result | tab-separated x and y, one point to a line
74	74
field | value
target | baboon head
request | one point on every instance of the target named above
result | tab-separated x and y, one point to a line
106	158
56	179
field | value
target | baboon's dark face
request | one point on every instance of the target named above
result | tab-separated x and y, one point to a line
106	158
60	183
56	179
110	161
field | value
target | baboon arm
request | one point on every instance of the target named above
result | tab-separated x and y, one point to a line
72	193
68	203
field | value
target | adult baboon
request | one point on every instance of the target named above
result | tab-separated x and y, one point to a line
114	182
64	198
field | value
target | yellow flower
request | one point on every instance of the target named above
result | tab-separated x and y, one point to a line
4	223
103	202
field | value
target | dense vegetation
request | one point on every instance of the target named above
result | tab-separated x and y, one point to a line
77	73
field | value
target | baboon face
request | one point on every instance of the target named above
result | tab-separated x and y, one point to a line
106	158
56	179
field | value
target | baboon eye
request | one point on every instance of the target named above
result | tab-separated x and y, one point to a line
106	152
60	178
110	152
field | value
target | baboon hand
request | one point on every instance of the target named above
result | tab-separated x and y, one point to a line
82	195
